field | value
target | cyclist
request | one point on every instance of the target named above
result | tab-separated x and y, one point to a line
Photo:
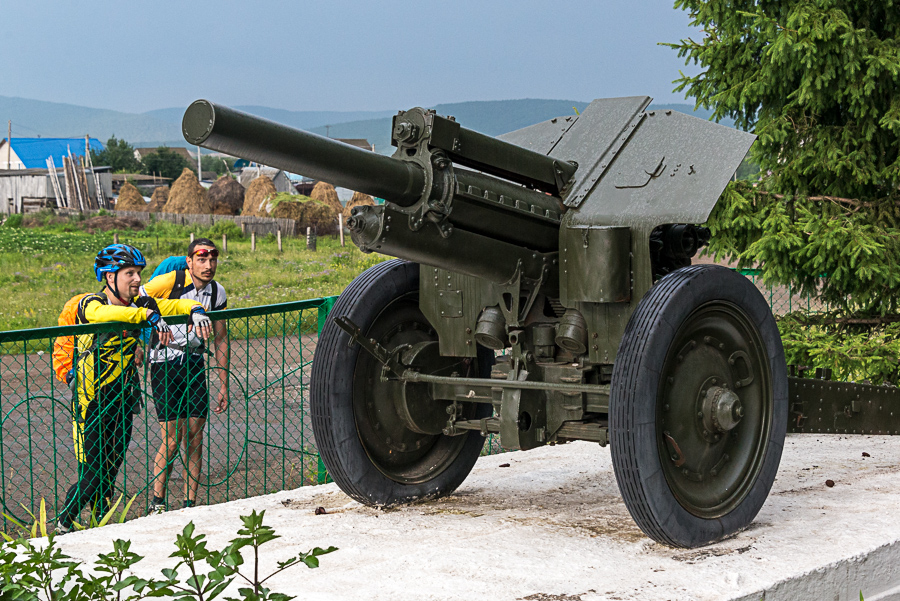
178	372
104	376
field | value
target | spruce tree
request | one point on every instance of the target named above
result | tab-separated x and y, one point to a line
819	82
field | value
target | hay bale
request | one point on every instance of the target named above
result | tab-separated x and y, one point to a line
256	198
159	199
326	193
306	211
358	199
187	196
130	199
226	196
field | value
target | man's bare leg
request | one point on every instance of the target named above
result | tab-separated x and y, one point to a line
172	433
194	457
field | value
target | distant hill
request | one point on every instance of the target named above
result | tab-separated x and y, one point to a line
33	118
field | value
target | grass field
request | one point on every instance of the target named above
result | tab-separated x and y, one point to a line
42	267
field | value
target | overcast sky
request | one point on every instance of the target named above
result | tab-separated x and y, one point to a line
337	54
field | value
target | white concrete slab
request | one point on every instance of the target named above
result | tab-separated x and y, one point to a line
552	527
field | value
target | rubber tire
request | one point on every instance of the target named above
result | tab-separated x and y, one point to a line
331	406
633	399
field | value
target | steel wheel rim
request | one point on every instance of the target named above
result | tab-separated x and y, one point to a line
711	470
396	451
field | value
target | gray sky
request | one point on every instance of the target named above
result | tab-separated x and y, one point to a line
337	54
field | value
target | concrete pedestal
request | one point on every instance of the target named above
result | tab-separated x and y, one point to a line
549	525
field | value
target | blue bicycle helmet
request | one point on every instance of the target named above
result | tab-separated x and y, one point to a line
116	256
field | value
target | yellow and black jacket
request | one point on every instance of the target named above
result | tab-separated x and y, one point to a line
105	361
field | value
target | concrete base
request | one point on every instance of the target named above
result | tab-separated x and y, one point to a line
549	525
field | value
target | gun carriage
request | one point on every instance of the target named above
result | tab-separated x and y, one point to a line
543	292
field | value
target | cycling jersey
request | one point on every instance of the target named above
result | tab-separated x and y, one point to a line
106	397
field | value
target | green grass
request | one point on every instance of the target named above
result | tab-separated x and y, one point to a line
42	267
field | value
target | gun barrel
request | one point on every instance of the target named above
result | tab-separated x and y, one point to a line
236	133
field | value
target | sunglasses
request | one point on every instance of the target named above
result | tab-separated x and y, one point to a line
204	252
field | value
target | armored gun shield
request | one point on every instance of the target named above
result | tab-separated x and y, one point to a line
545	294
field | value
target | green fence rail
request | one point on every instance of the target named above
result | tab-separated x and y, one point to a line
263	443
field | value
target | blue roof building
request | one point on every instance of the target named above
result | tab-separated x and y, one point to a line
32	153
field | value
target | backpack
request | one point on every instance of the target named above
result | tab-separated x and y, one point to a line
64	346
170	264
179	266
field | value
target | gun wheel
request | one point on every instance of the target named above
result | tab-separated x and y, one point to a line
698	407
383	444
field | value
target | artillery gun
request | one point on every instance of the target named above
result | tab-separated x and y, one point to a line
544	293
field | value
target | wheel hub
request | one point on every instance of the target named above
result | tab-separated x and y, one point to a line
722	410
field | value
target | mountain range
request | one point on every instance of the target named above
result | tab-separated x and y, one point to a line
162	127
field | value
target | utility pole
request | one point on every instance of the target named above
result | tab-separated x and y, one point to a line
199	167
8	141
327	129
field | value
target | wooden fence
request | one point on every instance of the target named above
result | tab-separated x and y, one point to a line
258	225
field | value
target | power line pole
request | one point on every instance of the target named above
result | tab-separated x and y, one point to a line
199	166
8	142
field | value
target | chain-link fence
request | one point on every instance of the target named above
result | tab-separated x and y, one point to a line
783	299
262	443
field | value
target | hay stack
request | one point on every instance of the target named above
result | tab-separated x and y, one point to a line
187	195
130	199
226	196
358	199
326	193
306	211
258	193
159	199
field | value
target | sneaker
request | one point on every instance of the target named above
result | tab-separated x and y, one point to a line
156	508
188	504
62	528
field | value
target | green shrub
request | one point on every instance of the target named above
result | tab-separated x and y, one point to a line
14	220
29	571
227	227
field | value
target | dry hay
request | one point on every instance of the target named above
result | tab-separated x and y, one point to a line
130	199
226	196
326	192
306	211
256	198
159	199
187	195
358	199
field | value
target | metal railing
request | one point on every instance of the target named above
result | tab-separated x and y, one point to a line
262	443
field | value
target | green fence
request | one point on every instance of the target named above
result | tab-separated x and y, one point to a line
262	443
783	299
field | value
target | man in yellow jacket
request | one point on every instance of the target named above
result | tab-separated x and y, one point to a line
105	375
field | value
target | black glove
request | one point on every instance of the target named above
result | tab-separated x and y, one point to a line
157	322
146	302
